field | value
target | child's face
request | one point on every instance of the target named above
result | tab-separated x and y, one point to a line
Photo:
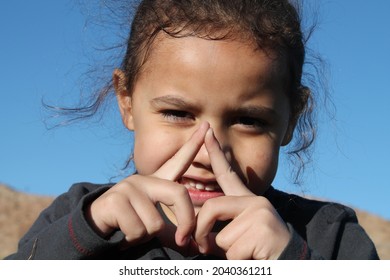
239	91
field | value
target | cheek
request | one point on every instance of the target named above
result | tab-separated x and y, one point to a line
152	149
259	167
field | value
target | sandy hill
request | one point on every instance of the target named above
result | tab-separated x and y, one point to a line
18	211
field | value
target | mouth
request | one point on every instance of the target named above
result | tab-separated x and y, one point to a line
210	186
201	190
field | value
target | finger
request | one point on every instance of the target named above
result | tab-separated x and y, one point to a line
120	215
241	249
179	163
176	197
217	209
148	214
213	248
227	179
129	209
130	224
185	217
232	232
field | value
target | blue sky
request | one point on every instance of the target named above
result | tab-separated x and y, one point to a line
45	47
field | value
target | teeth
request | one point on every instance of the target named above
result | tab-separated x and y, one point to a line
210	188
200	186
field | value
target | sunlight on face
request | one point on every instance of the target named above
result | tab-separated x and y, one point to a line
238	90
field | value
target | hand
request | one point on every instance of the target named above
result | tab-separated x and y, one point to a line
130	205
256	230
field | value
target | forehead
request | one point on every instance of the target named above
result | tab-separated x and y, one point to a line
238	54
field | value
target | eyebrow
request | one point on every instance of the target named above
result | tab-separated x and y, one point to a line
171	100
253	110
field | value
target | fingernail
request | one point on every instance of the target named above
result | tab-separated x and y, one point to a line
211	132
201	250
204	124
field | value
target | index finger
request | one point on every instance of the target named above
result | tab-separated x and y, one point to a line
227	179
175	199
179	163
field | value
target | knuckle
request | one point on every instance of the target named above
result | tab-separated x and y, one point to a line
238	253
139	232
210	204
156	226
113	200
174	191
231	254
220	240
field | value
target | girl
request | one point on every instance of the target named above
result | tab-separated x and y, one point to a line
212	90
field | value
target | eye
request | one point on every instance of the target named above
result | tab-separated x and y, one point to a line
250	123
177	115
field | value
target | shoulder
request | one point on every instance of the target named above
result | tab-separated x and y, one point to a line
83	188
330	229
77	193
302	211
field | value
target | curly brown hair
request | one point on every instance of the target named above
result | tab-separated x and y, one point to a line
274	26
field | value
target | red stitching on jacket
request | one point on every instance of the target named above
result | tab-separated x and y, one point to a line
304	251
74	239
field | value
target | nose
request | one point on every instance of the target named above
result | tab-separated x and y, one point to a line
202	159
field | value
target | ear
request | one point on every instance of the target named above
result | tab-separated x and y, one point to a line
124	98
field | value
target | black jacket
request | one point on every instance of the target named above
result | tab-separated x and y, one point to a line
320	230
